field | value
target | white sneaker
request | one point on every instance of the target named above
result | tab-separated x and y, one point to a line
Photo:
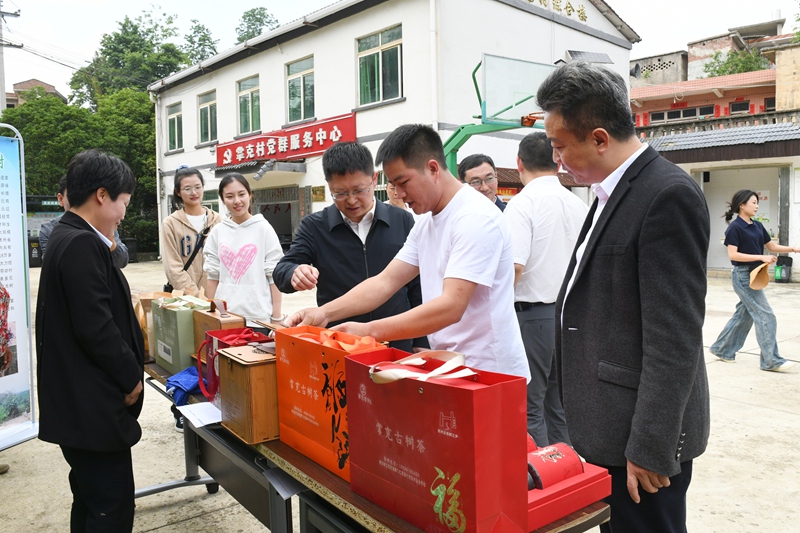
785	367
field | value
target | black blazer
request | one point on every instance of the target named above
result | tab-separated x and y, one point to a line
89	346
629	342
324	240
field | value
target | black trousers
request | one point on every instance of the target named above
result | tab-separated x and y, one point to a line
102	490
662	512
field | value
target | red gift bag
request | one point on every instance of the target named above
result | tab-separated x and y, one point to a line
439	445
215	340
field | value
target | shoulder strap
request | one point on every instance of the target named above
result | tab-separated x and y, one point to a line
197	248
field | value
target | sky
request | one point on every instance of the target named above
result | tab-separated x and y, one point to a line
70	32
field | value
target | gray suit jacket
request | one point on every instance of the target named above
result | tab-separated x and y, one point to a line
629	344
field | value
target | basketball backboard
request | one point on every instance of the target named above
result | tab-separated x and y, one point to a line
509	89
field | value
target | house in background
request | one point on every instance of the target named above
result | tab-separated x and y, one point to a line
732	132
15	100
355	70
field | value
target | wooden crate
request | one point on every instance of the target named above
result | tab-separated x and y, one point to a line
249	392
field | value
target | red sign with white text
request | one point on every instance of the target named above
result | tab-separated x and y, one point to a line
296	142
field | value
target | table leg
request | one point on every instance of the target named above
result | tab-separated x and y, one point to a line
192	460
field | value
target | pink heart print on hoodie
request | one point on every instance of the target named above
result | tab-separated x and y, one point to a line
237	262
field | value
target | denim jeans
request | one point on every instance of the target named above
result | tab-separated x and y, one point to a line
753	308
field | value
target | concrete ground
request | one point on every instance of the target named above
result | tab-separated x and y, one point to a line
747	481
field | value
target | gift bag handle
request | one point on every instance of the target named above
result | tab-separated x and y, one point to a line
200	381
219	304
452	360
245	336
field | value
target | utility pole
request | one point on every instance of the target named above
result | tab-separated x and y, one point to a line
4	14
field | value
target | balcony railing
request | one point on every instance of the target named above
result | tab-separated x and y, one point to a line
742	120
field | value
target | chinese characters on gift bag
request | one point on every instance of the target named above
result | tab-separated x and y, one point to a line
452	517
335	402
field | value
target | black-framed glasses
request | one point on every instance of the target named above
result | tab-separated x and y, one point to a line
476	183
339	196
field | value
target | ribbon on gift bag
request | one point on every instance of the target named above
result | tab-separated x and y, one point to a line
452	360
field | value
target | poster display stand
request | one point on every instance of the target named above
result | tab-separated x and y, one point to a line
17	408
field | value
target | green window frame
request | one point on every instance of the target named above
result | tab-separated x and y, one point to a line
380	66
249	105
211	200
175	127
300	89
380	189
207	112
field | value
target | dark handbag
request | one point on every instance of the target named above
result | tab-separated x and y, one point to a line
168	286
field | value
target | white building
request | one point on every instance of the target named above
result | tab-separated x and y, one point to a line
355	70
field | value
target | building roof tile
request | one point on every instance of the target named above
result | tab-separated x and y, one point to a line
726	137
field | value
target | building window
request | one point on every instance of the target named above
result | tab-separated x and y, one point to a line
380	66
175	121
208	116
707	111
769	104
211	200
249	105
681	114
300	82
740	107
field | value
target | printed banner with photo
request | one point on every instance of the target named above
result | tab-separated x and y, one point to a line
17	420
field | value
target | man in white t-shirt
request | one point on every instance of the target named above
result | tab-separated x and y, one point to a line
463	254
545	220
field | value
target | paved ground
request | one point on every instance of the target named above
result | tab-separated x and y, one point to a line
747	481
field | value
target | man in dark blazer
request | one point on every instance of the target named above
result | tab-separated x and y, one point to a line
629	345
89	347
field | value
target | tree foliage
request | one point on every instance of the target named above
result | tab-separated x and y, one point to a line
122	125
128	123
53	132
199	44
132	57
735	63
254	22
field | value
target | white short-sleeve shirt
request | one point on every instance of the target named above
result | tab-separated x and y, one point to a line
545	220
469	240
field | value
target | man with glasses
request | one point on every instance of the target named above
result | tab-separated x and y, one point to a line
478	171
347	242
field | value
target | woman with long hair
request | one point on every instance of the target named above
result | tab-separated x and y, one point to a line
182	232
240	256
746	239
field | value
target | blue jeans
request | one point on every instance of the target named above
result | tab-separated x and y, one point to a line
753	308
